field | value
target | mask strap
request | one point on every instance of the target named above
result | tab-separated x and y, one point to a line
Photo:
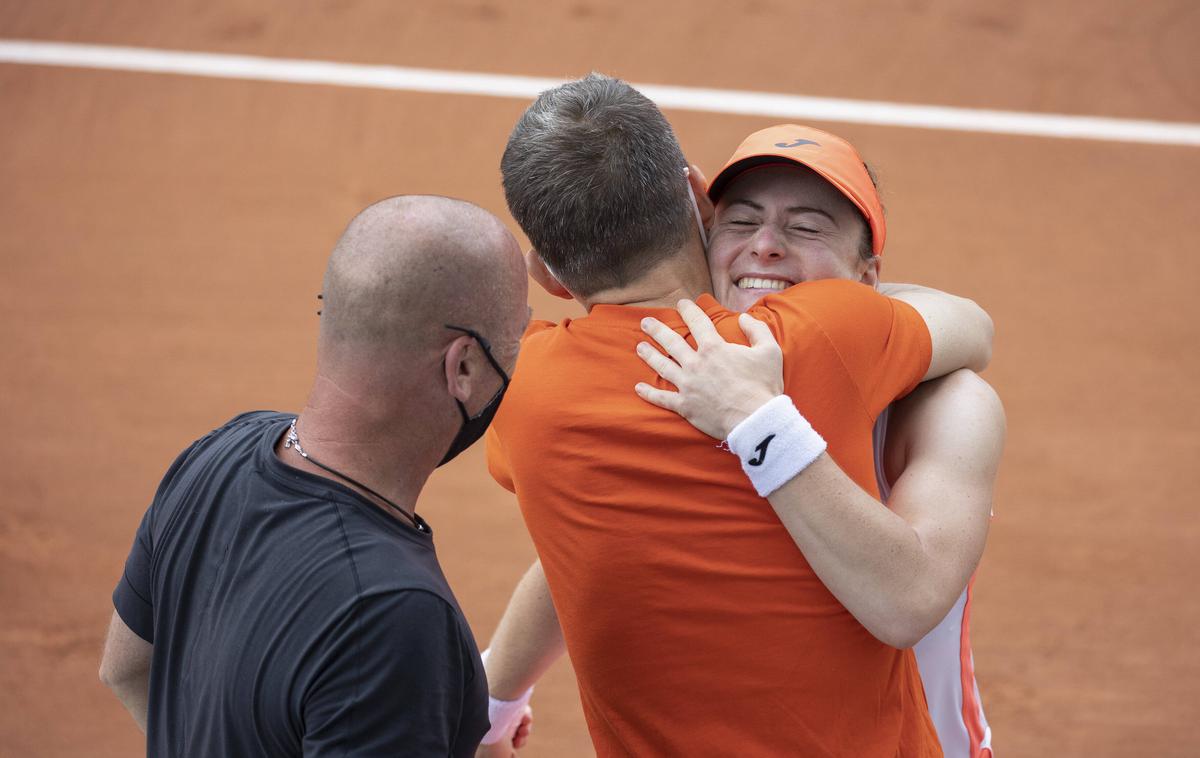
699	221
487	349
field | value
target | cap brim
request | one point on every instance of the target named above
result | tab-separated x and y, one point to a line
719	184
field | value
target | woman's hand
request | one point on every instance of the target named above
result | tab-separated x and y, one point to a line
718	383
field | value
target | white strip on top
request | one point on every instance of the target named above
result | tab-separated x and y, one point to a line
772	105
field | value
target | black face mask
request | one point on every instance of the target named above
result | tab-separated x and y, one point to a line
473	427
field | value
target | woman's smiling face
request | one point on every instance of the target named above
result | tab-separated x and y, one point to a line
779	225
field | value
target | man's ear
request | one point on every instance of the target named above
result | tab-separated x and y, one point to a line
700	189
458	371
870	274
542	275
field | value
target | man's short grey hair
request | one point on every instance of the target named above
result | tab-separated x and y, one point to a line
595	177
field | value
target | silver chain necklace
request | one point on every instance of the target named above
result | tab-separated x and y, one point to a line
293	441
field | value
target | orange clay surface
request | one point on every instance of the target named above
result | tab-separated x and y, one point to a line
163	238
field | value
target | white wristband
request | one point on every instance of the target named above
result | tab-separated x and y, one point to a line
505	715
775	443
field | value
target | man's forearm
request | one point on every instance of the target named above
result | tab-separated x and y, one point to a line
134	694
125	668
528	639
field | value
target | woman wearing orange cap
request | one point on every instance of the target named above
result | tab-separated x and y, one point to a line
796	204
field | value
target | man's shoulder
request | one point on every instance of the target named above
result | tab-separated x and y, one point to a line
242	424
242	429
250	423
392	561
538	335
538	327
853	317
222	461
424	621
250	417
819	299
548	344
826	310
426	605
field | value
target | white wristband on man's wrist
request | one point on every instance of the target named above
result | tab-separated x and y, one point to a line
505	715
775	443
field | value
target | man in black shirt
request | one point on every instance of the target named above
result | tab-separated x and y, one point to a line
282	597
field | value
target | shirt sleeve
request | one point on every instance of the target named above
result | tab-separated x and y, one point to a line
883	343
132	598
396	680
497	461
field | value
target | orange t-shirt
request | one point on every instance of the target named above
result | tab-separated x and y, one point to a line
695	625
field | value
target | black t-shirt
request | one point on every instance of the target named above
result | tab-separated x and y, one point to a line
289	616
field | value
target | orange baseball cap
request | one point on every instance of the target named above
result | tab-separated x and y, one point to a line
832	157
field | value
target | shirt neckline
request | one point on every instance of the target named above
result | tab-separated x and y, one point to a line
311	484
630	316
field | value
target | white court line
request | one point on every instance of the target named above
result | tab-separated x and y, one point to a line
525	87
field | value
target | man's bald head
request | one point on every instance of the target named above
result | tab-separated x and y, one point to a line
408	265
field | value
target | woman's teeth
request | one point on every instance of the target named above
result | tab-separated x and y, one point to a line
753	283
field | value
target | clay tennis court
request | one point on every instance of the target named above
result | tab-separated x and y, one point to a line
163	239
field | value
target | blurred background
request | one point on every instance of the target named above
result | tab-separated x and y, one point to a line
163	238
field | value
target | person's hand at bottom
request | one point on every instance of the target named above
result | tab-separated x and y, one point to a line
507	748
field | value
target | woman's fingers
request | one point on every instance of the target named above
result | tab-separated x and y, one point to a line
662	365
675	345
662	398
